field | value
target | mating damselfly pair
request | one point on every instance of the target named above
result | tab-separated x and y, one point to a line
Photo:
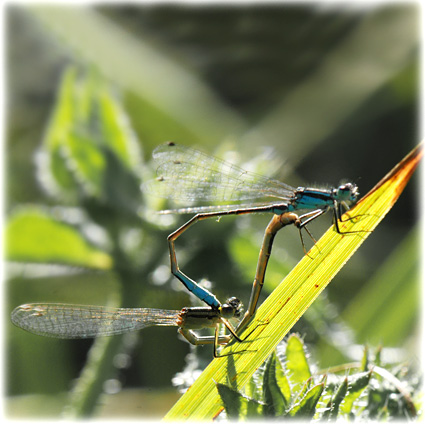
192	176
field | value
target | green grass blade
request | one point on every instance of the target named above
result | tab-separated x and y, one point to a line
160	85
293	296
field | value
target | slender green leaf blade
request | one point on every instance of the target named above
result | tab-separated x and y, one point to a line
174	96
365	360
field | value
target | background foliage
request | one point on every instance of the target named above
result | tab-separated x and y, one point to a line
289	386
334	93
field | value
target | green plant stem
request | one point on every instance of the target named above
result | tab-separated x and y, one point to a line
99	366
89	386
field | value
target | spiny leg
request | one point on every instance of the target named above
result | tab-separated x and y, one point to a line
310	216
300	229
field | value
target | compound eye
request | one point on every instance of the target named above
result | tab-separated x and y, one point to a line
347	191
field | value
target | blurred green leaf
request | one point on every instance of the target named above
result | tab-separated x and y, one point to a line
117	132
90	147
88	163
36	236
53	172
365	359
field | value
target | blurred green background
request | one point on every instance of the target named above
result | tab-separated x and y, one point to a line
310	94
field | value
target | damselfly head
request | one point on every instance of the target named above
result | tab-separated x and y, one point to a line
347	192
233	307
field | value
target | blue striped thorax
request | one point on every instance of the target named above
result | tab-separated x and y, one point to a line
310	198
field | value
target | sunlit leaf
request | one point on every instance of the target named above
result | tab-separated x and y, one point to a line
296	363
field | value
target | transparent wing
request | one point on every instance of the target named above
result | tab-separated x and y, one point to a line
190	175
84	321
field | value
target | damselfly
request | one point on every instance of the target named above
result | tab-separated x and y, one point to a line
188	175
73	321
